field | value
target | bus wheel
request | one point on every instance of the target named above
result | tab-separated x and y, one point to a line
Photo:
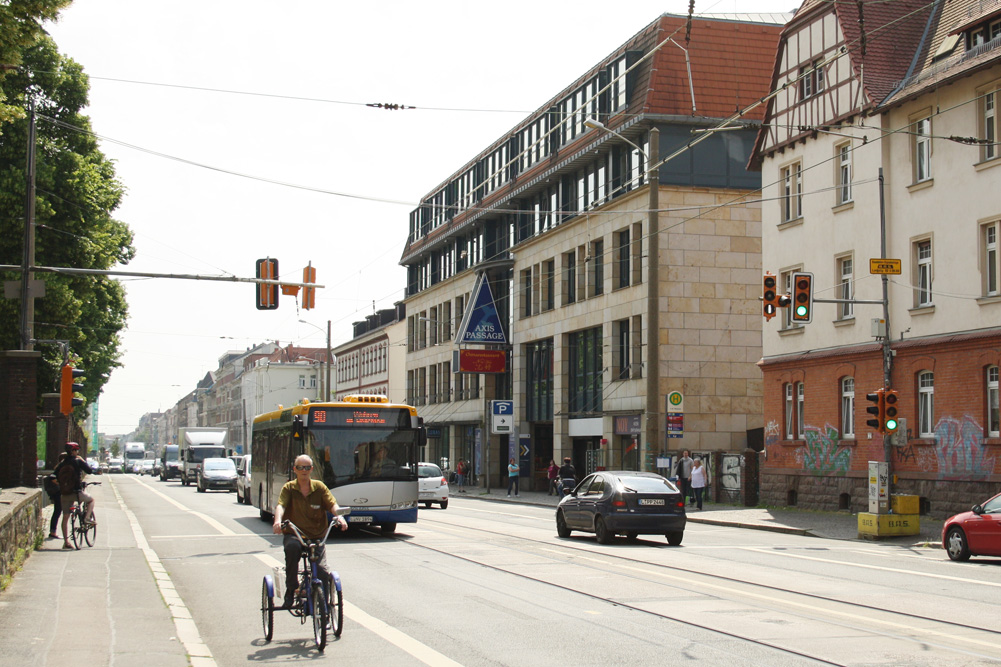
388	528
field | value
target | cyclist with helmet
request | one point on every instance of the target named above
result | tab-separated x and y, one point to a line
71	489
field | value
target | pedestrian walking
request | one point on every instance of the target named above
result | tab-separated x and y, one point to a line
513	470
460	475
684	474
554	472
700	480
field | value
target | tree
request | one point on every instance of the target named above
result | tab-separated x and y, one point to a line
76	193
20	26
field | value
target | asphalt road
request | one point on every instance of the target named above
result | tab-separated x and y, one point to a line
175	579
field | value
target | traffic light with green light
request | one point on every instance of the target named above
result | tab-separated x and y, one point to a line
802	297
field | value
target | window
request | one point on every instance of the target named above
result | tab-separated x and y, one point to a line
585	370
570	277
539	393
622	259
993	412
926	404
989	253
526	293
792	192
989	125
788	412
549	285
811	80
846	281
785	282
924	273
847	407
800	396
844	175
922	149
622	345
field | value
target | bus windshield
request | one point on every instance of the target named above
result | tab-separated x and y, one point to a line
347	455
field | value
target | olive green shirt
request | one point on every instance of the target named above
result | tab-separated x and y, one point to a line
308	513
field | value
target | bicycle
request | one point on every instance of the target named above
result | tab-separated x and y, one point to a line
321	603
82	530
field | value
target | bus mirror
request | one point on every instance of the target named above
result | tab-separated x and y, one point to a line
422	437
297	428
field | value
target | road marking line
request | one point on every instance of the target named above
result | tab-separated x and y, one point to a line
223	530
403	641
978	582
187	631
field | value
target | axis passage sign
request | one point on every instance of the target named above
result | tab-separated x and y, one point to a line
481	323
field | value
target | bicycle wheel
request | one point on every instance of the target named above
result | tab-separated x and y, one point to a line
335	610
76	528
320	617
267	612
90	533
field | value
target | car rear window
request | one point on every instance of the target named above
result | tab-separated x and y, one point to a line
428	470
648	485
219	464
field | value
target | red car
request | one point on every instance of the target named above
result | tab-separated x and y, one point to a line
974	533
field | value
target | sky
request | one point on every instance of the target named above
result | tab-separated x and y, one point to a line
240	130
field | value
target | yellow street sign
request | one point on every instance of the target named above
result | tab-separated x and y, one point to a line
885	266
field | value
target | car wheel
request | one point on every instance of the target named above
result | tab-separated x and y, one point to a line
955	544
562	529
632	535
239	497
601	531
674	539
427	505
200	489
444	504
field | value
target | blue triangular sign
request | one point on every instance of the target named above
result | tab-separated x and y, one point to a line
481	323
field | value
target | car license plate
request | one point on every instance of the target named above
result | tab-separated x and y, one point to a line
651	501
359	519
426	494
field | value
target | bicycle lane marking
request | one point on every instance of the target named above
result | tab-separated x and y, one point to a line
204	517
401	640
198	652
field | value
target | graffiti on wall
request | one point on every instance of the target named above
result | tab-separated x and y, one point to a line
960	450
823	454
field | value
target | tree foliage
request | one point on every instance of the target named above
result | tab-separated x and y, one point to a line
20	26
76	192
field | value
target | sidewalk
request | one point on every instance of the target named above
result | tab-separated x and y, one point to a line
830	525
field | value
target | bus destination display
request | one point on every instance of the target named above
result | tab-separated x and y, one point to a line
360	417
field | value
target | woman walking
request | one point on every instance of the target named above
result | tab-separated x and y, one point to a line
700	480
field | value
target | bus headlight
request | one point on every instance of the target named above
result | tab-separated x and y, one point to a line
410	504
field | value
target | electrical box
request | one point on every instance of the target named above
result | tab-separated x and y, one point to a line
878	327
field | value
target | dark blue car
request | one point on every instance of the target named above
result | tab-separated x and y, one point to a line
623	502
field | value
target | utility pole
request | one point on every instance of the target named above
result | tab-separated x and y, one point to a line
326	396
28	260
887	352
653	301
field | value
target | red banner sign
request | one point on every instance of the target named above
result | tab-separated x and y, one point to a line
479	361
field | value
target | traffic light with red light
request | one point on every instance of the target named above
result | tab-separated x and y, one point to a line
878	398
889	420
67	388
769	296
267	295
802	297
308	293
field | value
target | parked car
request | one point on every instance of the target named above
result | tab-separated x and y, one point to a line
146	467
243	481
631	503
217	473
432	485
974	533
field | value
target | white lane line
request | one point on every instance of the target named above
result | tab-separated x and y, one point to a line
187	631
403	641
978	582
223	530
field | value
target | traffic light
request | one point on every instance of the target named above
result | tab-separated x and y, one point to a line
878	409
890	422
67	388
769	296
267	295
802	297
309	293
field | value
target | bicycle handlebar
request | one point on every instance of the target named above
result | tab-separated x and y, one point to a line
342	511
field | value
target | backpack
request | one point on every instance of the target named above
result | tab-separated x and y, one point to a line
50	484
68	478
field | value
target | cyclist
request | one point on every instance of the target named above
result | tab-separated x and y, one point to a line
70	488
568	477
305	502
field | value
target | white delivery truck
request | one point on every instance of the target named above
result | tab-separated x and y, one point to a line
197	443
134	454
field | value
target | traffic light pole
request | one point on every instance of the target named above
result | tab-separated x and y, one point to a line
887	352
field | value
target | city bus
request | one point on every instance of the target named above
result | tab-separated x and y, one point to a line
364	448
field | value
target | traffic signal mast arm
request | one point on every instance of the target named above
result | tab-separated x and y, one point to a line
145	274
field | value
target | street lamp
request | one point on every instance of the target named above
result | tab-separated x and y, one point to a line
326	396
653	393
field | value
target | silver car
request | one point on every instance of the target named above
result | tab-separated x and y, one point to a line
217	474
